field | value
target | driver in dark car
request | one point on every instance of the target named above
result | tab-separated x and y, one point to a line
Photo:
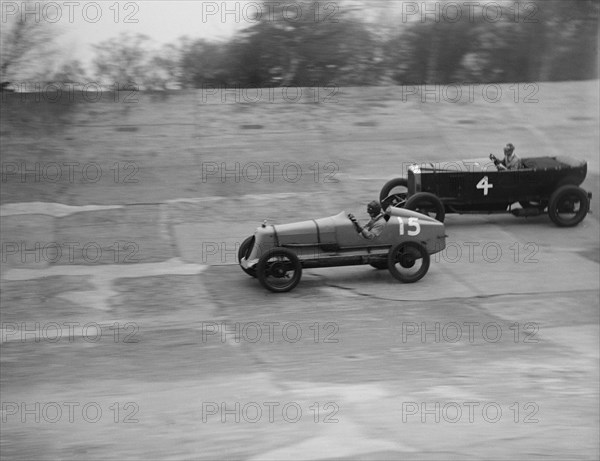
511	161
376	224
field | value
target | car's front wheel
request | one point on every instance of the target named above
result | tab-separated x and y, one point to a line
408	262
279	270
394	193
427	204
244	252
568	206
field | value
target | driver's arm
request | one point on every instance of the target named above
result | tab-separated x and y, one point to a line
499	165
375	230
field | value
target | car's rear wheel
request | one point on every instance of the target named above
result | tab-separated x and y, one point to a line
394	193
408	262
568	206
244	252
279	270
427	204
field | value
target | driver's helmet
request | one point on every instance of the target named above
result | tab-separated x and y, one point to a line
374	207
509	149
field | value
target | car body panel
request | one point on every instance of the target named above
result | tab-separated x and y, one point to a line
477	185
333	241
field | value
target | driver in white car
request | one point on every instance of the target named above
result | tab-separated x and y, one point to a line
375	226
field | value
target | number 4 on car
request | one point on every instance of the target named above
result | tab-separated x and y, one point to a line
485	185
543	185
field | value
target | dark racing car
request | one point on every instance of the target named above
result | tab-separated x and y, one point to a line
543	184
276	254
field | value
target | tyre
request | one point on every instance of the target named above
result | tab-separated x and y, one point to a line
568	206
394	193
379	264
408	262
427	204
244	252
279	270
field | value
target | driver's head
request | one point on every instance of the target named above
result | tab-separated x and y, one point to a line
509	149
373	208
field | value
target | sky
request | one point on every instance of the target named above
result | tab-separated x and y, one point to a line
79	24
164	21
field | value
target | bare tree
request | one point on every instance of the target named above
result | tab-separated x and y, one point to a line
164	68
133	61
122	60
26	42
70	71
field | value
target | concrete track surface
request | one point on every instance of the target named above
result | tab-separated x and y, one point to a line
129	332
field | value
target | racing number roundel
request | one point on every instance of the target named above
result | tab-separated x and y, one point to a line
412	222
485	185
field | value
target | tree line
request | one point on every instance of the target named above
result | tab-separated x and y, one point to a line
363	43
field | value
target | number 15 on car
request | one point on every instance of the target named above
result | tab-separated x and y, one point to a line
412	222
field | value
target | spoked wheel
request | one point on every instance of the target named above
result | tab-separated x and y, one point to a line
394	193
408	262
244	252
568	206
427	204
279	270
